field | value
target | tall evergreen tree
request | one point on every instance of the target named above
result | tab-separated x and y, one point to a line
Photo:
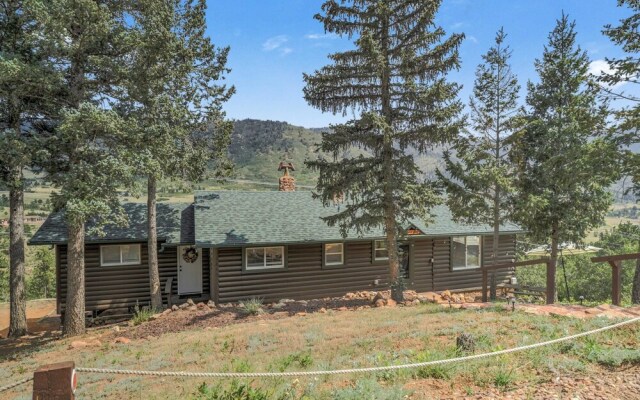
479	182
172	95
626	72
565	166
26	77
84	157
395	79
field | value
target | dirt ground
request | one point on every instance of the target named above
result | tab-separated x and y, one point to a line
37	313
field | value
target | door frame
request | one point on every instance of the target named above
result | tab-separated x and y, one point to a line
179	268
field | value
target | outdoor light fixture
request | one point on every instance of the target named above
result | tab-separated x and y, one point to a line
581	299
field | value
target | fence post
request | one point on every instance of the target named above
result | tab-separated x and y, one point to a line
551	282
484	285
55	382
616	281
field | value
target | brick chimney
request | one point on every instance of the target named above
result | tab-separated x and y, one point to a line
287	182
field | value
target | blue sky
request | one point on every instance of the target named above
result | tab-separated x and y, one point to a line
274	41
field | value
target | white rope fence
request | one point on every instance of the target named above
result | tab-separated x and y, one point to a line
337	371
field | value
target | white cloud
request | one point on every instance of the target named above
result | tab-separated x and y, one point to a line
275	42
285	50
457	25
602	67
473	39
319	36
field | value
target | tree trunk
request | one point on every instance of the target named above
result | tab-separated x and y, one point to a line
494	261
74	318
18	297
635	290
152	244
551	268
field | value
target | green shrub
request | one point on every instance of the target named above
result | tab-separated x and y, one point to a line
617	357
252	306
303	360
141	315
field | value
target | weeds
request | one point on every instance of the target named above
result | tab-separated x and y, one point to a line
252	306
503	379
303	360
369	389
141	315
236	391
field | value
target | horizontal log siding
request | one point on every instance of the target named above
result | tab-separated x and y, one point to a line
421	272
123	286
446	279
304	277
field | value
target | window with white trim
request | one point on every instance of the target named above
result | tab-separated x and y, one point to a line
334	254
380	251
257	258
466	252
119	254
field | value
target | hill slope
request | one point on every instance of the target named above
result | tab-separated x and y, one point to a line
257	147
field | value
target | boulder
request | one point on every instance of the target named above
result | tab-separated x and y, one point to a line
174	308
322	310
379	303
446	295
410	295
391	303
184	306
80	344
122	340
192	308
201	306
167	312
211	304
190	302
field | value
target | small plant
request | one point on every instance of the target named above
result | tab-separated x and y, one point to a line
141	315
236	391
503	379
252	306
303	360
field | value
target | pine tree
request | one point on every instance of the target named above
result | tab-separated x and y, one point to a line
626	71
565	166
86	155
42	283
172	96
395	79
480	177
26	77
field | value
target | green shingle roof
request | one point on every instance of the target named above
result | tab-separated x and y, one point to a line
233	218
236	218
175	226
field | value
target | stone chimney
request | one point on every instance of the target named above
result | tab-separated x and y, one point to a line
287	182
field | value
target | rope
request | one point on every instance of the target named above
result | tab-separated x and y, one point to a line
16	383
352	370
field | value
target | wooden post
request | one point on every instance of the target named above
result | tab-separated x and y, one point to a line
616	267
484	285
551	282
55	382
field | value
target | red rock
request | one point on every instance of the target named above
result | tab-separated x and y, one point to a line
379	303
391	303
122	340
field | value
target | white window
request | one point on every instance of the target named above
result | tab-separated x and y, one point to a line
264	258
333	254
120	254
466	252
380	251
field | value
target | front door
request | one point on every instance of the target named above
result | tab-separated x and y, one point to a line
189	270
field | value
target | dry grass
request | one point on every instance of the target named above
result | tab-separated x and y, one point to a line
348	339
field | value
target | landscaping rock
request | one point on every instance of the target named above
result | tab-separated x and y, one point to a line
410	295
391	303
190	302
211	304
80	344
184	306
446	295
192	308
379	303
201	306
122	340
116	328
322	310
174	308
167	311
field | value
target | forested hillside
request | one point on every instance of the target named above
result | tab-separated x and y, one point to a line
258	146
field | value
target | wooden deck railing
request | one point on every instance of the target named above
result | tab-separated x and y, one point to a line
551	283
